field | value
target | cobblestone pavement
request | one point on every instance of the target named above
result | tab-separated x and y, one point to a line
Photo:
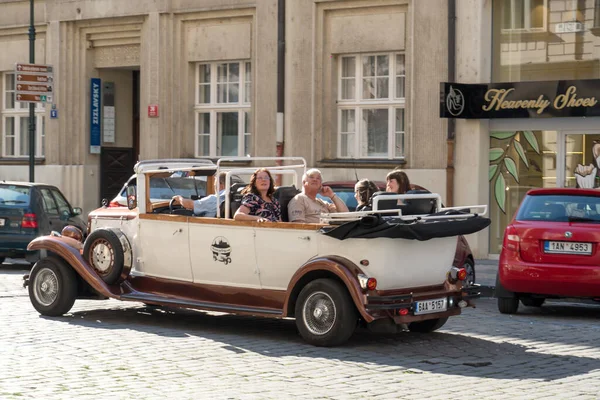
116	350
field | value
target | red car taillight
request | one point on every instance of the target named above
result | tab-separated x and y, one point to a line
511	239
29	221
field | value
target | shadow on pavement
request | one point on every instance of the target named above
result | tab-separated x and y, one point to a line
445	353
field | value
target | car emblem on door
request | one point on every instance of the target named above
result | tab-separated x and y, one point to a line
568	234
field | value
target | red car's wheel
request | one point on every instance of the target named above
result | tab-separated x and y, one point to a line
508	305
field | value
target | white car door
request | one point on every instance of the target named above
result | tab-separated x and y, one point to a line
222	253
281	252
164	247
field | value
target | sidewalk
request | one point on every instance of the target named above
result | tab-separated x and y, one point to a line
485	275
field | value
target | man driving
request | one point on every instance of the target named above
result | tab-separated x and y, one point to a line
306	207
206	206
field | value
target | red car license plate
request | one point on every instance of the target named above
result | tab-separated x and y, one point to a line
567	247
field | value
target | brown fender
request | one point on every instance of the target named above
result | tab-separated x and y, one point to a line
70	250
341	267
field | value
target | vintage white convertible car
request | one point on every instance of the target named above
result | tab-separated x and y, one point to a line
384	269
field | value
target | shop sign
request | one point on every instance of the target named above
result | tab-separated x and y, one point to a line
580	98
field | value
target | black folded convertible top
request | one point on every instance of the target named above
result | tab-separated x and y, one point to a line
374	226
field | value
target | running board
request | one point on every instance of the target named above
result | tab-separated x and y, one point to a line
149	298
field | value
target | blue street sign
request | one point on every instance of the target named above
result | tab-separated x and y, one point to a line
95	107
54	113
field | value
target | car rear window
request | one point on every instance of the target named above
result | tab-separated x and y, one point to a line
13	195
560	208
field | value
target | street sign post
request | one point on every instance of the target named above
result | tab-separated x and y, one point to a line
34	83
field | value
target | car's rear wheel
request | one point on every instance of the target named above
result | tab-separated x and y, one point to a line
427	326
508	305
325	313
52	287
104	251
533	301
469	265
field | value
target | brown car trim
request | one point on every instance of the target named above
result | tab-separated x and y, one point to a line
343	268
71	253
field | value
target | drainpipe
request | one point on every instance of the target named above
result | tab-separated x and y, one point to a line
280	80
451	133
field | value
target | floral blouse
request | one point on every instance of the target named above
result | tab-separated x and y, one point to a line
261	208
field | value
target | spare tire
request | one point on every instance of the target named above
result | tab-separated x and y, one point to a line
109	253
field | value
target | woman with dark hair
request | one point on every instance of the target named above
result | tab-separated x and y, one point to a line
397	182
363	190
258	203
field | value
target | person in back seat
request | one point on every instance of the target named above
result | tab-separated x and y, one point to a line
258	203
306	207
206	206
363	190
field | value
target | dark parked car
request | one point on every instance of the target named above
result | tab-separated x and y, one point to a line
29	210
463	256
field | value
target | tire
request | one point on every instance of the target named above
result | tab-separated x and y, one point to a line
325	313
508	305
469	265
52	287
427	326
104	252
532	301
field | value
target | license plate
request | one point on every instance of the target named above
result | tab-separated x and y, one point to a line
567	247
2	221
431	306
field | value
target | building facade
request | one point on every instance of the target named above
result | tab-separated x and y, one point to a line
531	114
199	78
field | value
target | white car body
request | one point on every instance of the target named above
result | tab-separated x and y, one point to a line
160	255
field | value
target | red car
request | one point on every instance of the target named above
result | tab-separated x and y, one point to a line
551	249
463	256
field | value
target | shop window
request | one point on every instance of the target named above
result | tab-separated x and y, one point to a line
15	122
223	109
371	100
524	14
518	161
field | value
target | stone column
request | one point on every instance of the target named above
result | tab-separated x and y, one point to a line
155	88
473	58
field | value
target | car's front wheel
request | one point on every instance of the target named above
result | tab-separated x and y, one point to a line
508	305
52	287
427	326
325	313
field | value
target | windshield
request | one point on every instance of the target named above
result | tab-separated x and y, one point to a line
166	188
560	208
12	195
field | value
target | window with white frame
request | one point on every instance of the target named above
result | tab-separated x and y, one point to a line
371	106
524	14
15	122
223	104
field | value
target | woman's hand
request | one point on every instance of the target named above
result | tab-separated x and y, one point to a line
261	219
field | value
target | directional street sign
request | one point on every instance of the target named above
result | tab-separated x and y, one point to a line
34	82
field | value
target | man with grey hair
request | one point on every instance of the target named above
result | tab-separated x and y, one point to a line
306	207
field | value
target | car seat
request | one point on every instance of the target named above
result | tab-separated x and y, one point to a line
386	204
419	206
235	199
284	194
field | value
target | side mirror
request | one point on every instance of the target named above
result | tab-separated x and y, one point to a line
77	211
131	197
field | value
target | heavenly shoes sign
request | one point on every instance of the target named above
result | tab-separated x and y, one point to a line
521	99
